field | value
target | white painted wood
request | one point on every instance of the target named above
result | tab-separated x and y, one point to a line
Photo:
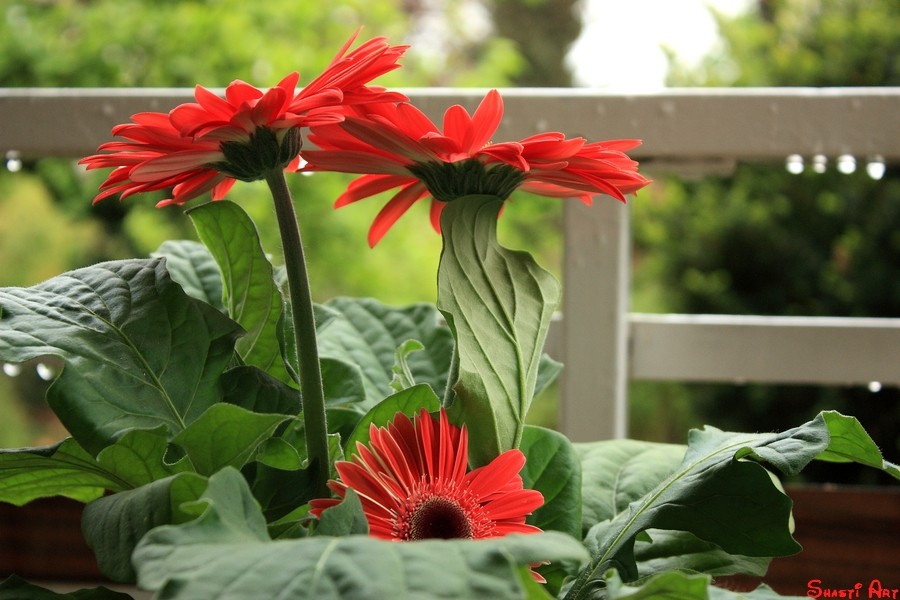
678	126
740	349
594	339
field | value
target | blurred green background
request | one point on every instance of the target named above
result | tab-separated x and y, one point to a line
759	241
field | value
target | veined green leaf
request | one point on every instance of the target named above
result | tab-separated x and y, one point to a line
250	295
139	352
16	588
192	267
226	435
668	550
257	391
723	495
63	469
365	334
279	491
189	561
114	524
674	585
136	459
618	472
552	468
498	304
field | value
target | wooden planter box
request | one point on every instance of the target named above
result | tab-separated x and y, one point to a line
849	536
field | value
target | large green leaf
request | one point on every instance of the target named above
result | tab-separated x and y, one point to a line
552	468
498	303
615	473
667	550
113	525
343	384
138	457
723	495
192	266
226	554
365	334
254	389
139	352
16	588
680	586
250	295
226	435
63	469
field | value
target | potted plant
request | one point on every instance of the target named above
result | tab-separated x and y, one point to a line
231	439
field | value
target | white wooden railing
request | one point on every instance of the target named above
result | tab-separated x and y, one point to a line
691	132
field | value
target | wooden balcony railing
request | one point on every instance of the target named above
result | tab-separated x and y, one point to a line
692	132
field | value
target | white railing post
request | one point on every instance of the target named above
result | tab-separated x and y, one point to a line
595	320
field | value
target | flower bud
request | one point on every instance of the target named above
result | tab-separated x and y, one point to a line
263	152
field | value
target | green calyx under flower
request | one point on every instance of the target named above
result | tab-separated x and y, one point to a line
265	151
447	181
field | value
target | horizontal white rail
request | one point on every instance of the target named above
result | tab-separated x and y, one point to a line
680	126
744	349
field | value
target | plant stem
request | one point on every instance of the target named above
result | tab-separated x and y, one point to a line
310	374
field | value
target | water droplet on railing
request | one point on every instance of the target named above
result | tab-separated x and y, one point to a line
794	164
45	372
875	168
13	161
302	164
874	386
846	164
820	163
12	370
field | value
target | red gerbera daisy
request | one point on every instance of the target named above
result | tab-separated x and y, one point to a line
413	484
398	146
208	144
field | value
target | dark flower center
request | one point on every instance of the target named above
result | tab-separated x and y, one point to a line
448	181
265	151
439	518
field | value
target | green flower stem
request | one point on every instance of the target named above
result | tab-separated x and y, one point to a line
310	374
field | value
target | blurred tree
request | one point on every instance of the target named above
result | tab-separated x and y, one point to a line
543	31
765	241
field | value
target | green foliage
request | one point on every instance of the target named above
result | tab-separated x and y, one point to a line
115	380
364	334
681	586
817	43
752	519
15	588
250	295
190	460
487	292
